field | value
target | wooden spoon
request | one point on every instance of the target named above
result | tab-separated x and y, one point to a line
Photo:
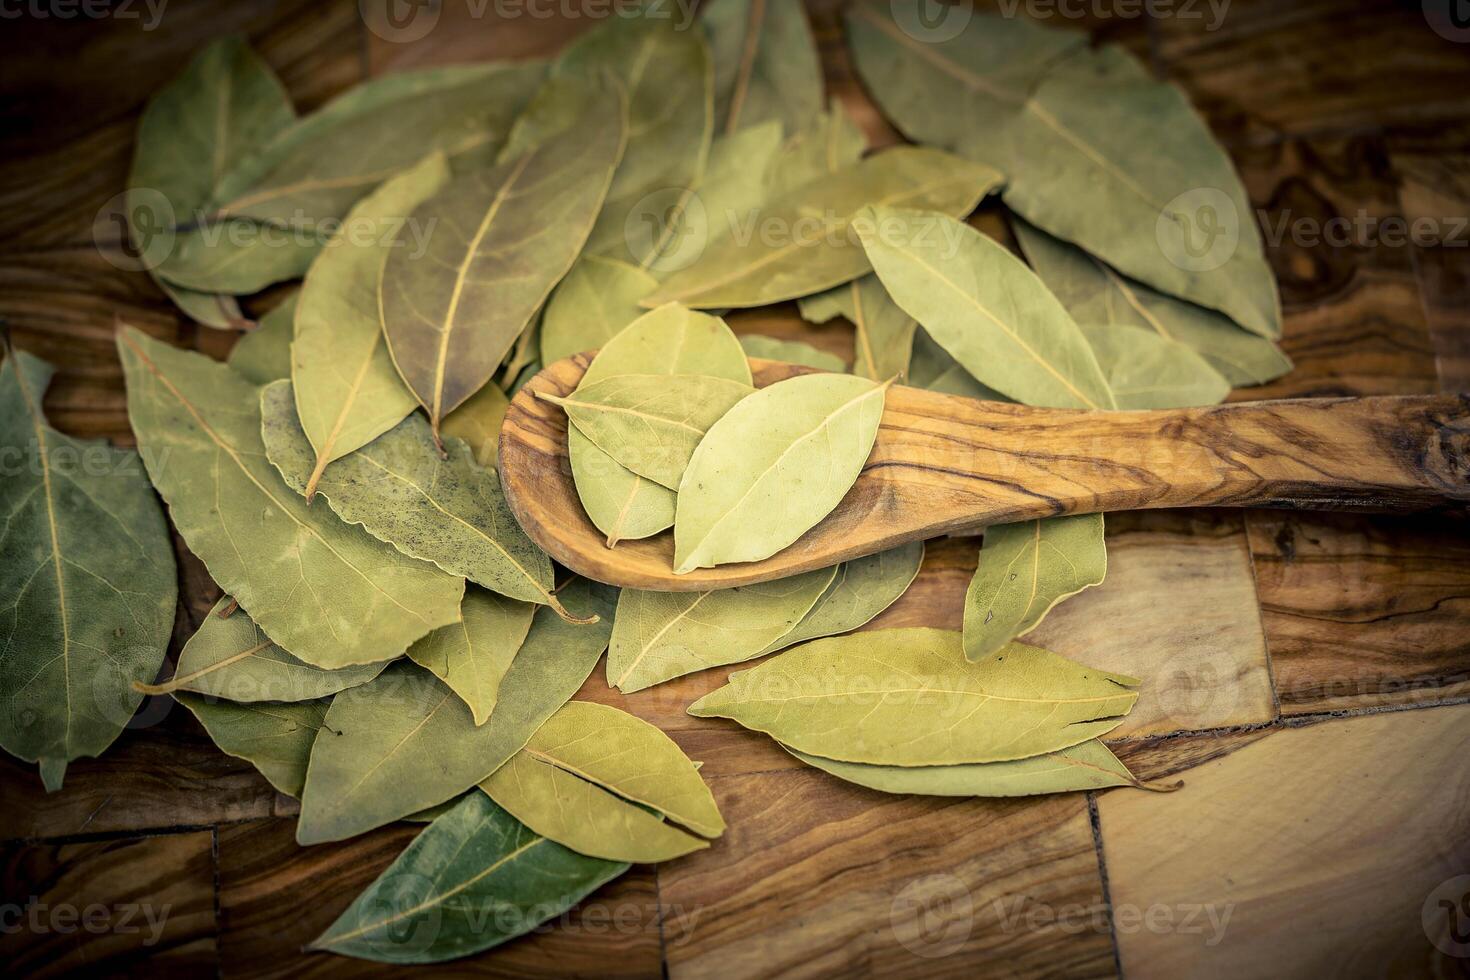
944	463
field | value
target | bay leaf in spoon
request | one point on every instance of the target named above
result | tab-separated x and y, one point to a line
87	581
772	467
650	423
504	237
662	635
583	816
829	144
264	354
596	300
473	879
861	589
473	655
231	658
405	741
669	83
1024	570
883	334
1146	370
1086	766
669	340
805	241
765	64
329	592
1094	293
446	510
910	698
273	737
225	105
986	308
790	351
347	390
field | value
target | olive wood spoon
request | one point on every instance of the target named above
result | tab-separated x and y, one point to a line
943	463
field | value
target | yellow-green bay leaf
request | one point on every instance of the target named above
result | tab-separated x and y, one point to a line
861	589
765	63
273	737
329	592
87	581
931	367
1145	370
596	300
1024	570
446	510
347	391
264	354
478	423
504	236
473	655
662	635
829	144
790	351
909	697
883	334
772	467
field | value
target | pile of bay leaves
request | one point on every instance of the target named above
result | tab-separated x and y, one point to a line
391	645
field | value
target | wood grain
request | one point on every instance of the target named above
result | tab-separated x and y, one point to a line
140	906
1363	613
1321	843
943	463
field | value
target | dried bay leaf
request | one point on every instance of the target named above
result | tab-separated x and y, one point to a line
595	301
931	367
405	741
790	351
264	354
583	816
765	64
347	390
449	511
332	594
478	423
473	655
473	879
668	340
805	241
1094	293
650	423
883	338
662	635
505	236
986	308
1086	766
274	738
862	589
909	697
669	82
1024	570
829	144
87	581
223	106
231	658
1145	370
772	467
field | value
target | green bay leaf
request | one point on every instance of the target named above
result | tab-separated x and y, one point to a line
347	391
986	308
473	879
595	301
273	737
805	241
504	236
448	510
87	581
932	367
264	354
662	635
772	467
1145	370
829	144
861	589
909	697
474	655
790	351
332	594
765	64
405	741
883	334
477	422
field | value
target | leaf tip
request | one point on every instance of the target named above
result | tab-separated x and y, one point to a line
567	614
